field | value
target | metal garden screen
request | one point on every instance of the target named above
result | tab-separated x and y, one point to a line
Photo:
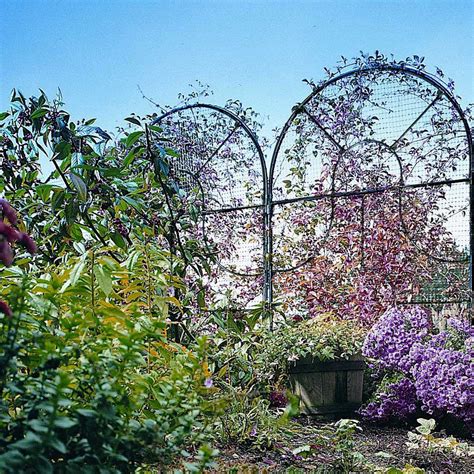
369	184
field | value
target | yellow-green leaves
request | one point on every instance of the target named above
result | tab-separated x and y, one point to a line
75	273
104	278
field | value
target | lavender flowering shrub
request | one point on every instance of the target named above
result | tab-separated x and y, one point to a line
420	368
391	338
396	397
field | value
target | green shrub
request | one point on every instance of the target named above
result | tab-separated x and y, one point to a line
323	338
90	380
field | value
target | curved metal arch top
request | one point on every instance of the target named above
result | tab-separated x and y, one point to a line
435	82
232	116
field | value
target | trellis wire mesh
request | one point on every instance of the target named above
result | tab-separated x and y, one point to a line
375	150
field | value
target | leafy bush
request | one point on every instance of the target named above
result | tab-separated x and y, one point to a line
89	377
323	338
420	368
423	437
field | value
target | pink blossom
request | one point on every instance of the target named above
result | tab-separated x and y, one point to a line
10	234
6	253
5	309
8	211
28	243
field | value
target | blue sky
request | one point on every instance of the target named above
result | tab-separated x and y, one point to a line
257	51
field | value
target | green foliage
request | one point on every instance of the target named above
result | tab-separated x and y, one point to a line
235	343
424	438
321	338
89	377
101	191
247	419
348	459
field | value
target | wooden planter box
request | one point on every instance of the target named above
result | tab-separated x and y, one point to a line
328	388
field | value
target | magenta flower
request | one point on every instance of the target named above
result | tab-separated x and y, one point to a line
5	309
6	253
8	211
10	234
28	243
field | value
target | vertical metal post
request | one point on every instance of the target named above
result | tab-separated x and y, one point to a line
362	230
471	229
268	256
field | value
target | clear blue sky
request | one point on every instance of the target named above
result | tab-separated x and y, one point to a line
258	51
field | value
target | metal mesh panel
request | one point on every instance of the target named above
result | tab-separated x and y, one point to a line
368	189
216	150
374	163
216	154
236	237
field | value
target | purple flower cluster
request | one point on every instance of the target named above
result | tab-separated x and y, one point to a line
433	370
391	338
444	381
9	234
278	399
397	400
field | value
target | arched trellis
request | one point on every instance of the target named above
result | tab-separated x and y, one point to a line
414	98
419	144
228	171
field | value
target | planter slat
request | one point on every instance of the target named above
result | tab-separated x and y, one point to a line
355	385
333	387
305	365
328	388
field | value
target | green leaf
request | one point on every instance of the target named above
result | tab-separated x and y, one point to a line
43	191
302	449
29	442
65	422
80	186
132	202
4	115
171	152
75	273
62	150
426	425
77	159
133	137
75	232
11	459
43	465
39	426
133	120
38	113
58	445
58	199
86	412
161	166
104	279
118	240
129	158
383	454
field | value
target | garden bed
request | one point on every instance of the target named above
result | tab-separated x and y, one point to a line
380	446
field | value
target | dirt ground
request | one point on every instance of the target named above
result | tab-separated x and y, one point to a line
378	446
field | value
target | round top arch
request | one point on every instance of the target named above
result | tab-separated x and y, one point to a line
380	131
